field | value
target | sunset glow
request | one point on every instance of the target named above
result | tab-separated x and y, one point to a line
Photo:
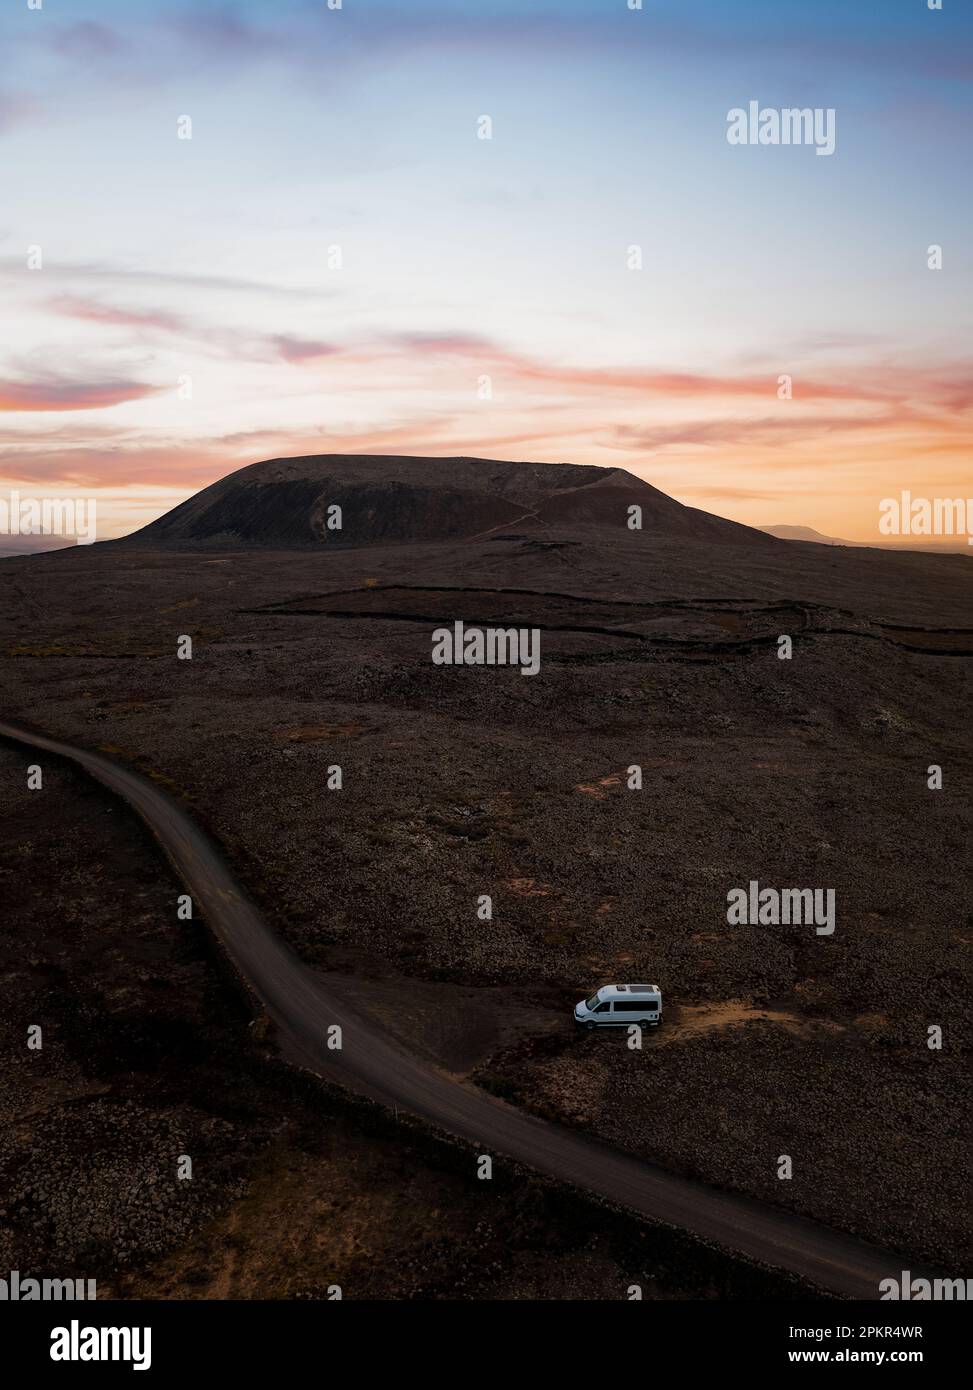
335	262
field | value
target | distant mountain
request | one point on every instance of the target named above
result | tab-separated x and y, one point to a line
31	545
938	545
286	502
805	533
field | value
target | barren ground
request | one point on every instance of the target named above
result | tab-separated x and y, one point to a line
461	782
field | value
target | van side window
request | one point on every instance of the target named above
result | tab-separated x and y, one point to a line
603	1008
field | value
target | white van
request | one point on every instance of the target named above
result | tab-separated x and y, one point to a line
621	1006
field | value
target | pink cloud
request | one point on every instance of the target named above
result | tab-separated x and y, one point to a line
283	347
55	395
91	311
468	344
300	350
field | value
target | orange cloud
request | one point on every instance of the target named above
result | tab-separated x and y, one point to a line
950	387
869	429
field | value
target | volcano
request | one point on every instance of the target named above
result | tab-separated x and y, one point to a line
292	502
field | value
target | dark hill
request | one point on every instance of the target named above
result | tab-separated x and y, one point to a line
284	502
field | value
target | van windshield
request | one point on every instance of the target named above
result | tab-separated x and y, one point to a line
590	1003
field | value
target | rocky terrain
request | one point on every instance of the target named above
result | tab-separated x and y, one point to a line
148	1055
659	650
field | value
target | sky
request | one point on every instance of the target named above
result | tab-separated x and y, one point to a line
337	261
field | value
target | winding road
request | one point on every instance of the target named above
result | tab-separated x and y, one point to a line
305	1008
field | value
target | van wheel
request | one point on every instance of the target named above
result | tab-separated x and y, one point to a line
591	1027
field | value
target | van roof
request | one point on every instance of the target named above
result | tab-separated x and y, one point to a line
631	989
